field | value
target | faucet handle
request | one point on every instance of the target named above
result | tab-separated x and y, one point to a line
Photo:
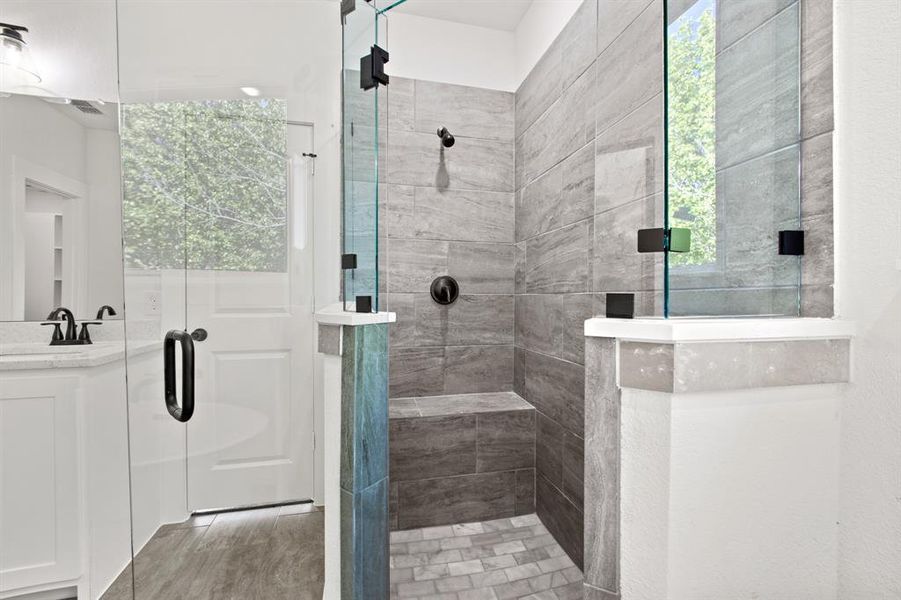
85	335
57	333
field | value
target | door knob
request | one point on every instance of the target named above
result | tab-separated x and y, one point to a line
199	334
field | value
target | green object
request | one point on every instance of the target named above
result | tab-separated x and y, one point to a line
679	239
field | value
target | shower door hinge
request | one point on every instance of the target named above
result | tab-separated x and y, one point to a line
675	239
791	242
372	68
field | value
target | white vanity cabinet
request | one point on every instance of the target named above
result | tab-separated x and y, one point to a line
64	481
40	496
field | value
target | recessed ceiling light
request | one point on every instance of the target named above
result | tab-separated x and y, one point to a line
251	91
56	100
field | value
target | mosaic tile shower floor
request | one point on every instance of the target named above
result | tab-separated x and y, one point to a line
490	560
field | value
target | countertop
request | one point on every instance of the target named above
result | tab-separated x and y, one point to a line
20	356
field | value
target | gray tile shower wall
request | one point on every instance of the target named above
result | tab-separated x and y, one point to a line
589	173
450	211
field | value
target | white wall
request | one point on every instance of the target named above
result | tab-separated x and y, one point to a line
450	52
103	270
730	494
868	283
424	48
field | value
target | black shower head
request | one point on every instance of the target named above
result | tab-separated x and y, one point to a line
446	138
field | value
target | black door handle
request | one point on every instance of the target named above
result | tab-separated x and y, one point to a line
184	412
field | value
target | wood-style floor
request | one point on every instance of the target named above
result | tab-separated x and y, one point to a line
260	554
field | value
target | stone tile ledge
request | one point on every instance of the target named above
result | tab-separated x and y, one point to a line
734	329
457	404
703	355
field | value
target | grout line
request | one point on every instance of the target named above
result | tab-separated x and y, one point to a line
623	31
769	19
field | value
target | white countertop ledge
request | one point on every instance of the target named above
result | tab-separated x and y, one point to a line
334	314
709	329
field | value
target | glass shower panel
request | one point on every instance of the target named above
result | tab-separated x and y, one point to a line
218	169
733	155
364	143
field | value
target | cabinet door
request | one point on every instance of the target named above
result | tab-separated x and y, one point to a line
39	492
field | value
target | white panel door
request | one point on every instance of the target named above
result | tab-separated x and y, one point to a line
250	440
39	489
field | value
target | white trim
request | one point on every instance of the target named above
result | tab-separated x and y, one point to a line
334	314
76	193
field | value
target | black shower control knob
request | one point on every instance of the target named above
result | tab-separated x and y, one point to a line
445	290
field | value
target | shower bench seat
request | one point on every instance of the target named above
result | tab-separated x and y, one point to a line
461	458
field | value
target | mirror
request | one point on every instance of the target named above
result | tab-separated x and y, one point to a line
60	201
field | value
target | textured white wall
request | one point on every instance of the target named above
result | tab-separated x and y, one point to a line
868	284
434	50
730	494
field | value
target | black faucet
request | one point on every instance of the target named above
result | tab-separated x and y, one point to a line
109	310
70	322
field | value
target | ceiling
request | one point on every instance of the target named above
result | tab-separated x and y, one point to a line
493	14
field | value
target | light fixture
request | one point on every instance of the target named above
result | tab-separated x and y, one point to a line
251	91
16	66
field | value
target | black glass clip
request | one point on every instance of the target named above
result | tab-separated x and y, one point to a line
372	68
620	306
652	240
364	304
791	242
348	261
674	239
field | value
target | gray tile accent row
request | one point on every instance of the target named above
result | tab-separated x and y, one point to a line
711	366
329	339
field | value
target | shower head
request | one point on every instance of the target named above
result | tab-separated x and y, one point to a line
447	140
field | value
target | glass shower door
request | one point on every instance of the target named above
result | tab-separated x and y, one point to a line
218	239
248	304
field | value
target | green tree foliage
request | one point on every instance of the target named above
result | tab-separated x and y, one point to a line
692	134
205	185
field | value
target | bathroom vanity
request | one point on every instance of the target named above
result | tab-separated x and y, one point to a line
64	466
